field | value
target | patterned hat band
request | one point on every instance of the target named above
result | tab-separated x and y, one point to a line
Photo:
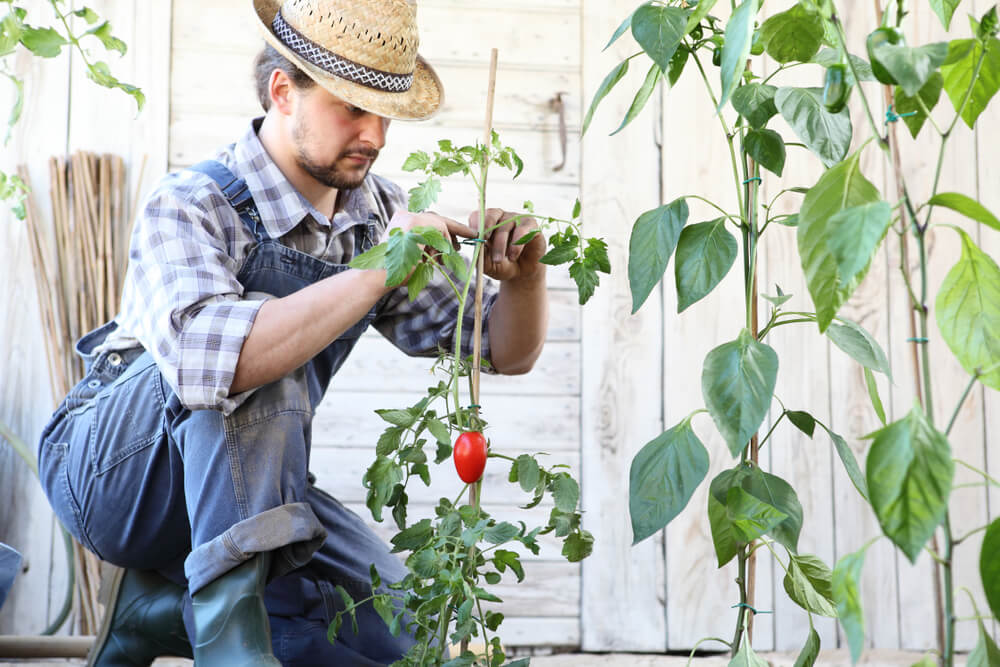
328	61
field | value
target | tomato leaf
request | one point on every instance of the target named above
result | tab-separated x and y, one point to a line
424	195
565	491
663	477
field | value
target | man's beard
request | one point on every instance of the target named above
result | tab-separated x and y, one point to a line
328	174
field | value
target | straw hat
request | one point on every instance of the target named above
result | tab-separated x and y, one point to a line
362	51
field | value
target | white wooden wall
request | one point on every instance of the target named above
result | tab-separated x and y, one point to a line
607	382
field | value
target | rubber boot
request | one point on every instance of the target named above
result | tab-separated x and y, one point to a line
230	618
142	620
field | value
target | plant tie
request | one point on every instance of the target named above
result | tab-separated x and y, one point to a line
744	604
474	407
891	116
922	341
472	241
752	178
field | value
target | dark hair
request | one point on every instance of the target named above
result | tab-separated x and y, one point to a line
265	63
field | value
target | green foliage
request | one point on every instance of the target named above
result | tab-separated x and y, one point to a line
767	148
986	653
755	102
929	95
610	81
860	345
945	9
642	97
739	35
846	581
989	567
826	134
840	188
663	477
808	583
968	312
967	206
792	35
972	71
807	656
737	382
654	237
705	253
658	30
909	472
745	656
911	66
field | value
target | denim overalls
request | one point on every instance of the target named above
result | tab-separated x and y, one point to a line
145	483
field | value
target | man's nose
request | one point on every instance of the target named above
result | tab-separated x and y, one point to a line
373	129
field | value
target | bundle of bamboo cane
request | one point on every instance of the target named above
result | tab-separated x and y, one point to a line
79	261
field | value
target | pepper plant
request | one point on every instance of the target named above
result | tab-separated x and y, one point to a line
840	225
453	556
48	42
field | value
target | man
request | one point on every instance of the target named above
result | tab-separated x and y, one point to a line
182	455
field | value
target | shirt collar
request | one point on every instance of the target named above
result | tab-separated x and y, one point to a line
281	206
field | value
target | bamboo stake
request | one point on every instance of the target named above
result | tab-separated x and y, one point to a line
107	255
477	331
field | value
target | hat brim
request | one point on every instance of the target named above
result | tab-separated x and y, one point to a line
420	102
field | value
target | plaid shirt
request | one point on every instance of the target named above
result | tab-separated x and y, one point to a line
182	302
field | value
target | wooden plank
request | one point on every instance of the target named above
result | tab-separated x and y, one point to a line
549	423
341	470
25	394
623	585
445	35
522	95
373	360
194	137
550	631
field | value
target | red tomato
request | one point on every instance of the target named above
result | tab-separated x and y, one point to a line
470	456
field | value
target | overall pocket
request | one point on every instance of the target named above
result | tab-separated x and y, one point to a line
129	416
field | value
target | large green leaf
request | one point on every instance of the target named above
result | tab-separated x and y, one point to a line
855	235
769	491
767	148
755	102
958	75
792	35
705	253
749	516
610	81
968	311
945	9
909	107
911	66
986	653
860	345
736	48
659	30
654	237
842	187
967	206
826	134
723	535
989	567
846	581
808	584
401	256
909	472
737	383
663	476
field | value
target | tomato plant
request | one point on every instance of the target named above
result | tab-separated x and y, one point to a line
840	224
470	456
455	554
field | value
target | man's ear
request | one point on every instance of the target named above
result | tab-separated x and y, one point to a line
281	91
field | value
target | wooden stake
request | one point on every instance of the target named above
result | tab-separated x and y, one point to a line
477	330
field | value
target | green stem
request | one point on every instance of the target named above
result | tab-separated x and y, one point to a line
725	128
771	430
982	473
948	657
961	401
702	641
846	56
969	534
729	216
741	580
782	323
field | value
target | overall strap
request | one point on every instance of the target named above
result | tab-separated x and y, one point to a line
236	192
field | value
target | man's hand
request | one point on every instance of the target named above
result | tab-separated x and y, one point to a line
451	229
503	259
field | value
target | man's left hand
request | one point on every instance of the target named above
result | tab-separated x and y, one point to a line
503	259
